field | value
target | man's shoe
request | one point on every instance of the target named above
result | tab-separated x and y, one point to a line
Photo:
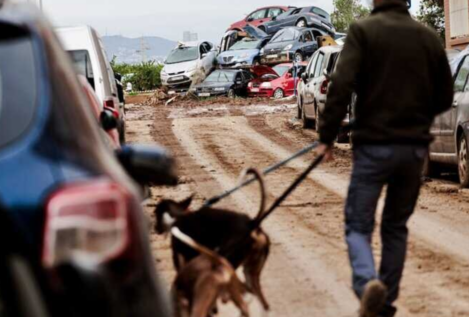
373	299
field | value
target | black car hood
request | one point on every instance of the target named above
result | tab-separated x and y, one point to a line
255	32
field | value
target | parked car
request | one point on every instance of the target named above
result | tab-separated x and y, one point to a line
308	17
277	82
313	88
107	117
67	193
188	62
258	17
228	82
245	50
289	44
451	129
87	51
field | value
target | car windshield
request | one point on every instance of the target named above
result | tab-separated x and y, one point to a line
220	76
183	54
245	44
281	70
286	35
17	84
82	62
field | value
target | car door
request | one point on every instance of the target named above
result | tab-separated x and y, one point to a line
308	102
449	118
318	77
309	45
257	17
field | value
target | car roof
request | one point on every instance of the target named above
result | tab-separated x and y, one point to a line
229	70
274	6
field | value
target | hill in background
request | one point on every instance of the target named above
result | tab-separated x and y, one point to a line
127	50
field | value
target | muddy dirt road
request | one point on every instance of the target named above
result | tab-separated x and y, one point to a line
307	273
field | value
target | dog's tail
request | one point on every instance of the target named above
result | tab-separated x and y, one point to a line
258	175
200	248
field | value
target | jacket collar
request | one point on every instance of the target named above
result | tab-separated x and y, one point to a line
391	6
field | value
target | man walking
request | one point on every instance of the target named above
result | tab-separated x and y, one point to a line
400	72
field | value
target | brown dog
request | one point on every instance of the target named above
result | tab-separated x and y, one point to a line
235	236
203	280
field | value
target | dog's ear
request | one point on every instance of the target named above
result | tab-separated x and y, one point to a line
184	205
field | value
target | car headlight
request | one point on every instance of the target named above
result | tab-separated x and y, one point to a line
266	85
219	89
288	47
262	51
191	70
164	73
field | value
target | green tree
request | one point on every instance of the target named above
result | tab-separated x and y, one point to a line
432	14
143	76
346	12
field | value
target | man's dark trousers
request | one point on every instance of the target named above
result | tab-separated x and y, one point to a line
399	167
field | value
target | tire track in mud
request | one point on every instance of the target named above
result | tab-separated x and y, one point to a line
309	257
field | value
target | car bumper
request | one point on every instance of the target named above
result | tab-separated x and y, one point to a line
206	94
177	81
281	57
261	92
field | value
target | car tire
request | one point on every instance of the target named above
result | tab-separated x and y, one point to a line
298	57
463	161
301	23
307	123
317	118
231	93
278	93
299	113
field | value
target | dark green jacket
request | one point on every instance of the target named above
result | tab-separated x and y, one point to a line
401	75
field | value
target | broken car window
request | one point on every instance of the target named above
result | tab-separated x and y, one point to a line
183	54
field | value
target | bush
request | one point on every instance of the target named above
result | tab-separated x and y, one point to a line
143	76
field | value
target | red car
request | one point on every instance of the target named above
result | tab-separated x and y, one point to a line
259	17
277	82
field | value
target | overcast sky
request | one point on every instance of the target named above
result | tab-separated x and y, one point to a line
164	18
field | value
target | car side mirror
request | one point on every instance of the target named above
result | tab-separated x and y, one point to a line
239	82
289	75
148	165
118	76
204	55
304	76
250	19
108	119
274	18
326	74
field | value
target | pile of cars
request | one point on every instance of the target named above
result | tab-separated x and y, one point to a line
74	238
269	36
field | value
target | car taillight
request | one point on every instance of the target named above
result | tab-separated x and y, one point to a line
324	86
109	103
89	219
114	112
250	85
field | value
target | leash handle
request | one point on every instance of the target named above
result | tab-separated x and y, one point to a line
267	171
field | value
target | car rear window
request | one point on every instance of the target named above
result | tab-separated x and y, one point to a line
321	13
18	89
82	61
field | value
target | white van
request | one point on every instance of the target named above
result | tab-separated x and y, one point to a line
87	51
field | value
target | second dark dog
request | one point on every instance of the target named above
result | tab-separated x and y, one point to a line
233	235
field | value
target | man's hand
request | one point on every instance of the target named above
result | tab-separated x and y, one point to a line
326	150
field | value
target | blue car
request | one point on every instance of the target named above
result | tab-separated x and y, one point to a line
242	49
67	193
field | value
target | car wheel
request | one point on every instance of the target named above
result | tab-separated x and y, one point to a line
298	57
307	123
463	162
317	120
278	93
231	93
301	23
299	113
